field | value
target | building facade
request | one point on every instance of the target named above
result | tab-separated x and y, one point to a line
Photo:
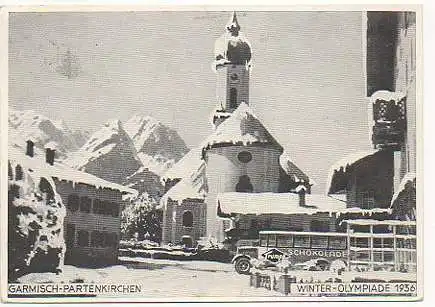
391	92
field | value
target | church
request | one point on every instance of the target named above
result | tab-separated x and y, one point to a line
239	156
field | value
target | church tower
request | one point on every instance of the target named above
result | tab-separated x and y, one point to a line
232	65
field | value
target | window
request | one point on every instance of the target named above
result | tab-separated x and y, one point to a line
233	98
319	242
272	241
73	202
244	184
366	199
301	241
99	206
18	172
319	226
244	156
83	238
97	239
284	240
337	243
187	219
85	204
70	235
114	209
263	240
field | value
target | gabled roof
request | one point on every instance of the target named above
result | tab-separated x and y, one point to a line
59	170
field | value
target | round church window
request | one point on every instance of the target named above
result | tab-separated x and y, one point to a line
244	156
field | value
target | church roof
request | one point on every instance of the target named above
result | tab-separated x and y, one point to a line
244	128
241	128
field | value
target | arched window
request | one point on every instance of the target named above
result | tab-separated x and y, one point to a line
244	184
18	172
233	98
187	219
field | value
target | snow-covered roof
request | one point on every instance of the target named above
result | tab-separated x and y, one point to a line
409	178
278	203
242	127
292	170
387	96
189	164
193	186
59	170
341	165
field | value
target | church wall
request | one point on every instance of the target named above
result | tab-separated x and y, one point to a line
224	171
173	229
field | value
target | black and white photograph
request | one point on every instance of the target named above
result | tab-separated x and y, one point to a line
211	154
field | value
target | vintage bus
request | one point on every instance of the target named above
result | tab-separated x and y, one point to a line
296	247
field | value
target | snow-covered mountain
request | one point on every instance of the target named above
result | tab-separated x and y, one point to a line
42	130
134	154
109	154
159	147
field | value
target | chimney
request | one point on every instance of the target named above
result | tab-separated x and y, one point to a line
49	155
301	190
29	148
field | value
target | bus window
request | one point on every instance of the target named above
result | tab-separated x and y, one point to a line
272	241
301	241
337	243
263	240
319	242
360	242
284	240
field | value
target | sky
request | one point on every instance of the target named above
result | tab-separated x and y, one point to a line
307	83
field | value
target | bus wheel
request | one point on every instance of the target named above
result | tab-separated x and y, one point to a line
242	265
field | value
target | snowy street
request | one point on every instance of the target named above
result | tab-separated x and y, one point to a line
162	278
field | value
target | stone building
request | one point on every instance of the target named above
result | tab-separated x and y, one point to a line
240	155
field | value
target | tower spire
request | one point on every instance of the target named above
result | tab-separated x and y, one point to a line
233	25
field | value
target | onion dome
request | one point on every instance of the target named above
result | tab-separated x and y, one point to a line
232	47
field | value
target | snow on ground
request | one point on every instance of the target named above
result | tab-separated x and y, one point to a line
162	278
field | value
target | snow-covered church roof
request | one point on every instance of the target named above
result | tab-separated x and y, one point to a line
37	165
232	47
241	128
